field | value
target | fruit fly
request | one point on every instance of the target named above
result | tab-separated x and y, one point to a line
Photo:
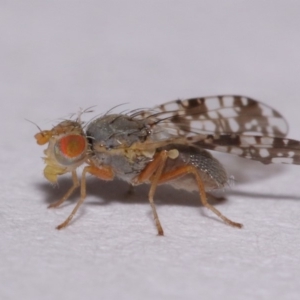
168	144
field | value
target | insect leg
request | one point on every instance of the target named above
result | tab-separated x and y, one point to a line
189	169
69	192
153	172
104	173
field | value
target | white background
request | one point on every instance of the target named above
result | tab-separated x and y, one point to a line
58	56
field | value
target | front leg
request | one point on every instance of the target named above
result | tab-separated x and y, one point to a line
104	173
68	193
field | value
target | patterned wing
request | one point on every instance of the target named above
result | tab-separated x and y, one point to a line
231	124
218	114
261	148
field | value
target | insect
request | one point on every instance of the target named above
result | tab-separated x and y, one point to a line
167	145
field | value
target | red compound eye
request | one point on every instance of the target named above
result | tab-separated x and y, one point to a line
72	146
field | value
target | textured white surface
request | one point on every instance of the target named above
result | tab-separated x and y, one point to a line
57	56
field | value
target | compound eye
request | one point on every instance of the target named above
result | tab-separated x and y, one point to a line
70	149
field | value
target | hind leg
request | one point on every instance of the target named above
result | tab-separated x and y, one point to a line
189	169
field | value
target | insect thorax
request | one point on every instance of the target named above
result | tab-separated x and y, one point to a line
111	137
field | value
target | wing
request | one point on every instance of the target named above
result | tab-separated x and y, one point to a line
261	148
218	114
232	124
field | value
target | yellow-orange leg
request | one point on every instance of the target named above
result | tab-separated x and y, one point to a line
68	193
104	173
153	172
192	170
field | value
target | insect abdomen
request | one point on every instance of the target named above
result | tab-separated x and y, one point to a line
210	169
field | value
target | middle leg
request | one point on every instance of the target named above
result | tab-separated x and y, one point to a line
152	173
